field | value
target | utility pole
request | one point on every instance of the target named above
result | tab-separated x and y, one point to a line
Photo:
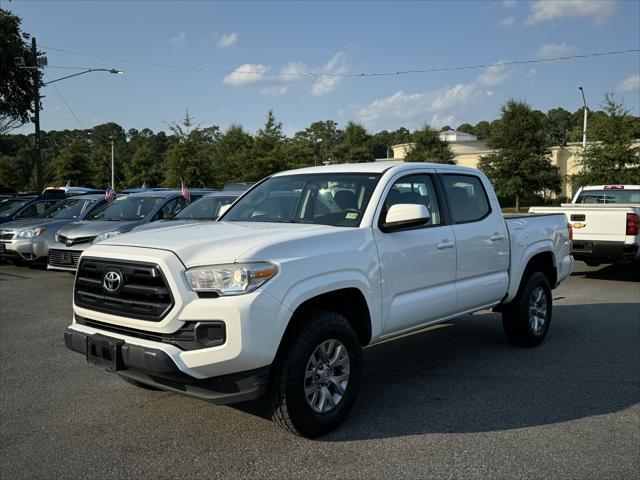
584	128
113	174
36	117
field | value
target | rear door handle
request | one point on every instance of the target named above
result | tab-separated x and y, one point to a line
496	237
446	244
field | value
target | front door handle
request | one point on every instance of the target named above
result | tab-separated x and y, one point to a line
496	237
446	244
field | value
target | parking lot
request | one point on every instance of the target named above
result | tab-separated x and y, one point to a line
455	401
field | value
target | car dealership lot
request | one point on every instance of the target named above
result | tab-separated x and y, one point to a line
455	401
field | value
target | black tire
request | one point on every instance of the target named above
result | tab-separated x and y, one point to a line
521	326
138	384
287	403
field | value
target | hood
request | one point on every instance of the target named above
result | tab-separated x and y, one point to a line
163	224
220	242
93	228
27	223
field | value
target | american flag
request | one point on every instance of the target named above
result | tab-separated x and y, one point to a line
110	194
184	191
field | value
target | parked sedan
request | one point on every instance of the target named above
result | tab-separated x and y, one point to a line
112	219
208	208
27	241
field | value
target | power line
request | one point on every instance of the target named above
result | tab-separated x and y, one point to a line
333	74
68	107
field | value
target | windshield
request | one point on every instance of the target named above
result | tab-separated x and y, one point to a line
337	199
68	209
11	206
207	208
609	196
126	208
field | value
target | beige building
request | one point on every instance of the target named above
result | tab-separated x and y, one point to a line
468	150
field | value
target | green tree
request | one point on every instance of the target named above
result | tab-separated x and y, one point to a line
558	126
482	130
353	147
191	158
16	84
72	164
429	148
466	128
520	168
16	170
234	154
614	158
267	150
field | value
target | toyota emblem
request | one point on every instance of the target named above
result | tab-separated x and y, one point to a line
112	281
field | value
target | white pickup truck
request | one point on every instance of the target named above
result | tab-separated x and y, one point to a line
302	272
605	221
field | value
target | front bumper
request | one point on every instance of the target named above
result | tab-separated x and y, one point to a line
604	252
26	249
156	368
61	257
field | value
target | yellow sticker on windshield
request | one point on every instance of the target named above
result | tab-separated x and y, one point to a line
351	216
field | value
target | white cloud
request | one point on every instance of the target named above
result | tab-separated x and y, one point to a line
629	84
246	74
494	75
544	10
327	77
178	40
438	107
328	83
508	22
509	3
555	50
227	40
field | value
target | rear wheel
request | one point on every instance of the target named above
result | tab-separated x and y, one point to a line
316	376
526	320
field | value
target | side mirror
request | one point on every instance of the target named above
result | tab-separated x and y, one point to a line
223	209
404	215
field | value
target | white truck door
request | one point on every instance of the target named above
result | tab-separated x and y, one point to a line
417	264
483	243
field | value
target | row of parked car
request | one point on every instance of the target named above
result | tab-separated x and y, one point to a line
57	225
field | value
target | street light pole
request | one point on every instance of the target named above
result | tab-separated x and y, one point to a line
584	128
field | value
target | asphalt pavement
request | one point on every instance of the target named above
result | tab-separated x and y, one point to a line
453	402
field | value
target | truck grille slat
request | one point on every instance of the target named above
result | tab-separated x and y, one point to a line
144	293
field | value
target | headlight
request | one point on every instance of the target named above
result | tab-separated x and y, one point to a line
106	236
231	279
31	232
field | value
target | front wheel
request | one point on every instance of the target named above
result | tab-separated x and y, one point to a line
316	377
527	318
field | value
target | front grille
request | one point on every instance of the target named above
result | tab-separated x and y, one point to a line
7	234
64	258
74	241
184	338
143	294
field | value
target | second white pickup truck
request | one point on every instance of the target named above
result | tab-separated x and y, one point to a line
305	270
605	221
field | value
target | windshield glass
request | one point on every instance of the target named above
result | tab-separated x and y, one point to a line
68	209
11	206
126	208
337	199
207	208
609	196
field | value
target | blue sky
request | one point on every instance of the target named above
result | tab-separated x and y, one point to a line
276	40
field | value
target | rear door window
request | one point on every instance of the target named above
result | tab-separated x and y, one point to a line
468	201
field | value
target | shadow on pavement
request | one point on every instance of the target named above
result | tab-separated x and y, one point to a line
625	272
467	378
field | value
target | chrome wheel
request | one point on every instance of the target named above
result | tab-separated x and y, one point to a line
327	376
537	310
